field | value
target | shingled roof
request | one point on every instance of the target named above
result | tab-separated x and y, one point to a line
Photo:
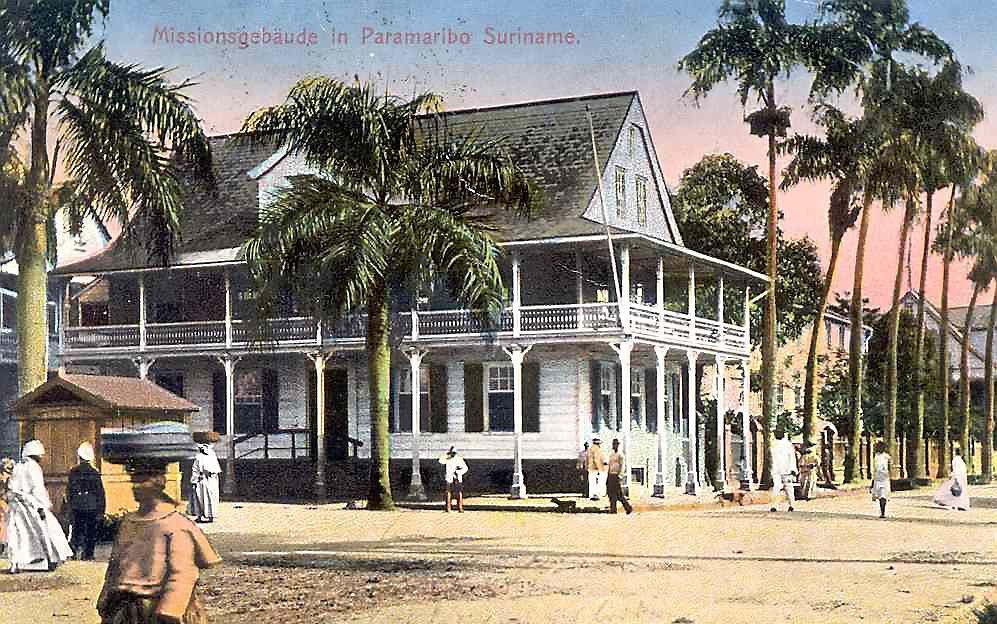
548	139
126	393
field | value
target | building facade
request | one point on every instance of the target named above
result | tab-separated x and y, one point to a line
518	393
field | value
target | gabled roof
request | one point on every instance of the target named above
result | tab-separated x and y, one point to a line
549	140
981	316
911	298
127	393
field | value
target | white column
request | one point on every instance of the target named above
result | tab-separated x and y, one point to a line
143	364
691	310
579	288
415	324
319	360
228	362
416	489
692	480
516	353
228	308
64	319
747	316
720	475
746	417
625	287
141	311
659	275
659	477
624	350
720	309
516	296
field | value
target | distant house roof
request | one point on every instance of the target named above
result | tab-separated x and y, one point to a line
549	140
981	316
910	299
127	393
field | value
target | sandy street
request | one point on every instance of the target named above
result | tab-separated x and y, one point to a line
830	561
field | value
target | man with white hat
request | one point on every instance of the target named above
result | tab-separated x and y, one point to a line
35	540
86	500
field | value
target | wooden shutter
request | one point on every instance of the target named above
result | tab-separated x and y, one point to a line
474	417
271	400
312	394
218	402
622	409
404	402
438	399
596	382
651	399
392	402
531	397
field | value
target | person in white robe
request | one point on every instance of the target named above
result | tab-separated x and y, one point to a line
35	541
880	488
204	480
784	469
954	493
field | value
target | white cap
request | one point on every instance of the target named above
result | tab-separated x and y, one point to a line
85	452
32	448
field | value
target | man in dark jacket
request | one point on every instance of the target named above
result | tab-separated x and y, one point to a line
86	500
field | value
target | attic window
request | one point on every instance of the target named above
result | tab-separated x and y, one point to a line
632	140
621	191
641	192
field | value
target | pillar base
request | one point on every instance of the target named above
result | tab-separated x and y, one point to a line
321	493
518	489
692	484
229	487
659	485
416	491
719	481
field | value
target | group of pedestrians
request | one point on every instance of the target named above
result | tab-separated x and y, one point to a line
604	474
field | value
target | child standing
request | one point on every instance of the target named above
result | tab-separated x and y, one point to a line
880	487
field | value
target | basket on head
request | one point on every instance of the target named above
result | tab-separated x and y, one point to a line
161	442
206	437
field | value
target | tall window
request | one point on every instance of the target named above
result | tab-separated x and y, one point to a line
248	401
675	402
641	192
841	338
606	394
827	330
637	404
404	404
632	140
500	399
8	310
621	191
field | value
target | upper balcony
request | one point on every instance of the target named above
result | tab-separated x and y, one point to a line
554	293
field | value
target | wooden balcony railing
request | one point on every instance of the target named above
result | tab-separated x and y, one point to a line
533	321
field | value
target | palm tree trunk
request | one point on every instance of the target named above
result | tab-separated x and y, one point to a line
379	374
855	357
810	383
988	381
943	340
768	343
967	329
917	470
31	251
890	427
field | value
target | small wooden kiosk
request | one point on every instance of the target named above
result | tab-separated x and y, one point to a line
70	409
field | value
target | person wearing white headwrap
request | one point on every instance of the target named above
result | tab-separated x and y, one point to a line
204	480
85	494
35	540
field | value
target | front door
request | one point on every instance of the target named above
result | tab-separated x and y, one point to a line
336	413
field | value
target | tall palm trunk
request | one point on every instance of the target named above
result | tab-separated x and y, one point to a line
855	357
988	382
31	253
890	427
917	470
943	339
810	383
768	344
967	329
379	373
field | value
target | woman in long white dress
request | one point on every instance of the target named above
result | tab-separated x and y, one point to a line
204	480
954	493
35	540
880	487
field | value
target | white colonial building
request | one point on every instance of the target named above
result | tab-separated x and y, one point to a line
565	360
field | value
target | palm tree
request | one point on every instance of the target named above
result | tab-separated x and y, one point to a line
860	41
754	44
118	127
841	155
395	203
946	116
964	167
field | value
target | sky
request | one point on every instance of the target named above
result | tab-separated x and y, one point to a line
613	46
